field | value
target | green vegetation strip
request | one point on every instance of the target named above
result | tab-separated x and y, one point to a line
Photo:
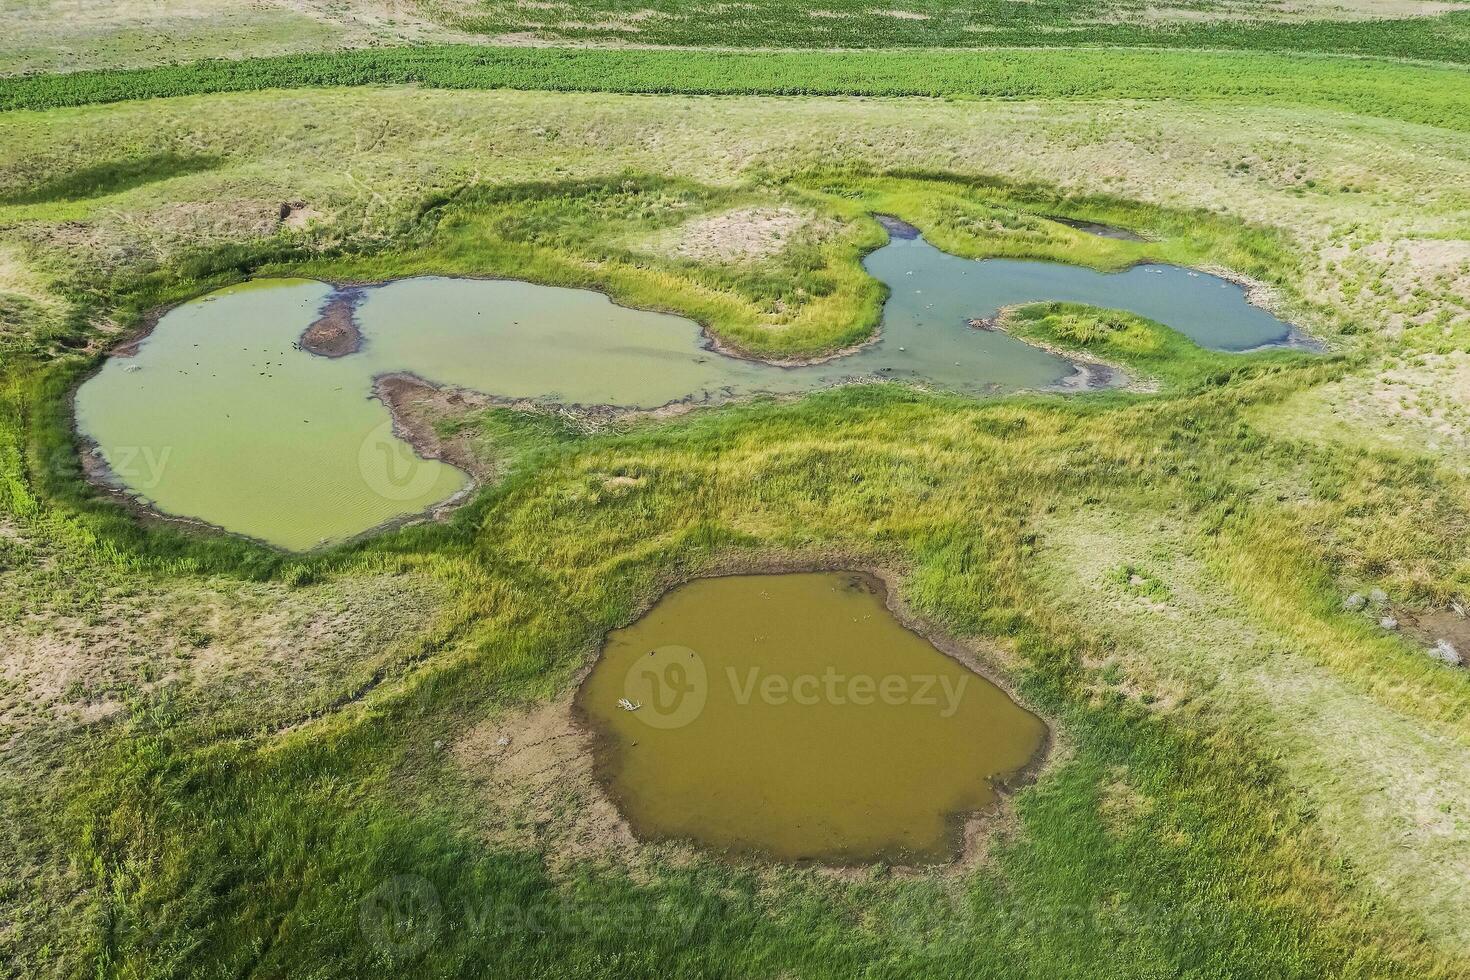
1435	96
969	24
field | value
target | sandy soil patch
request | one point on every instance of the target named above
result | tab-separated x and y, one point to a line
742	234
1415	404
1412	281
534	770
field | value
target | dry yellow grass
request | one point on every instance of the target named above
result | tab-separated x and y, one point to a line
1390	786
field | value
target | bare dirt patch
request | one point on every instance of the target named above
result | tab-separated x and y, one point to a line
534	770
742	234
1444	632
246	654
298	215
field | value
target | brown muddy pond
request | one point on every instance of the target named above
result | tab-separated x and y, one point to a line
794	717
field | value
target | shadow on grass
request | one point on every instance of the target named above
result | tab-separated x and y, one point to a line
112	177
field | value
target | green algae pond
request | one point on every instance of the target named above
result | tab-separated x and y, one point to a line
794	717
220	416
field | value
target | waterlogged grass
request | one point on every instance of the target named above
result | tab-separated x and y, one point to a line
1423	94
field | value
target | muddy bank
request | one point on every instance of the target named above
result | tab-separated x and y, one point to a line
897	227
334	333
417	406
1100	230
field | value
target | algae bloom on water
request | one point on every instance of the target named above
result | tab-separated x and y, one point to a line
794	717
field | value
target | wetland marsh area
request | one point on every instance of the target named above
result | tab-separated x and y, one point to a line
556	490
281	448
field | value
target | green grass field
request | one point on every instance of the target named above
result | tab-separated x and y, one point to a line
218	759
52	35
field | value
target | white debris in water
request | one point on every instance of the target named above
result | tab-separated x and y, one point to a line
627	705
